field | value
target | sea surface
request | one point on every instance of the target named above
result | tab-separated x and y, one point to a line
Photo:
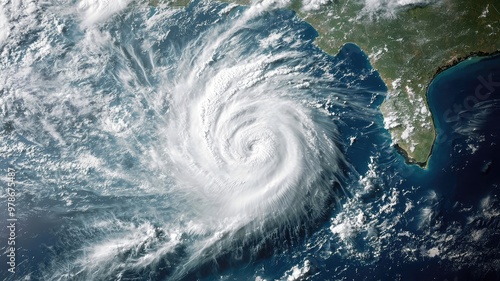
217	142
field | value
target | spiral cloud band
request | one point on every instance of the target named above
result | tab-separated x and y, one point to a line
171	139
244	145
247	148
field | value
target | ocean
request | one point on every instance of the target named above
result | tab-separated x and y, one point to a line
217	142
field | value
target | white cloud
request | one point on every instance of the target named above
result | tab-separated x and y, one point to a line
4	27
94	11
389	8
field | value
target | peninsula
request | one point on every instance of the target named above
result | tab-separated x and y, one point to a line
408	44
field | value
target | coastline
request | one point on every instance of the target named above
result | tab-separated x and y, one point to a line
406	64
456	61
479	55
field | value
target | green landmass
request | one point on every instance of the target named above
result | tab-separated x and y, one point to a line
408	47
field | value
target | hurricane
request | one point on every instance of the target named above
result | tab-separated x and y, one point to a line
173	141
239	135
160	140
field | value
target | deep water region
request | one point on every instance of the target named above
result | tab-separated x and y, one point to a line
217	142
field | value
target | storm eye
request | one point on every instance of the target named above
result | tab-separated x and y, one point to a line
251	146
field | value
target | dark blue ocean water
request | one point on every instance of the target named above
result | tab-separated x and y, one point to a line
452	229
464	101
458	190
391	220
